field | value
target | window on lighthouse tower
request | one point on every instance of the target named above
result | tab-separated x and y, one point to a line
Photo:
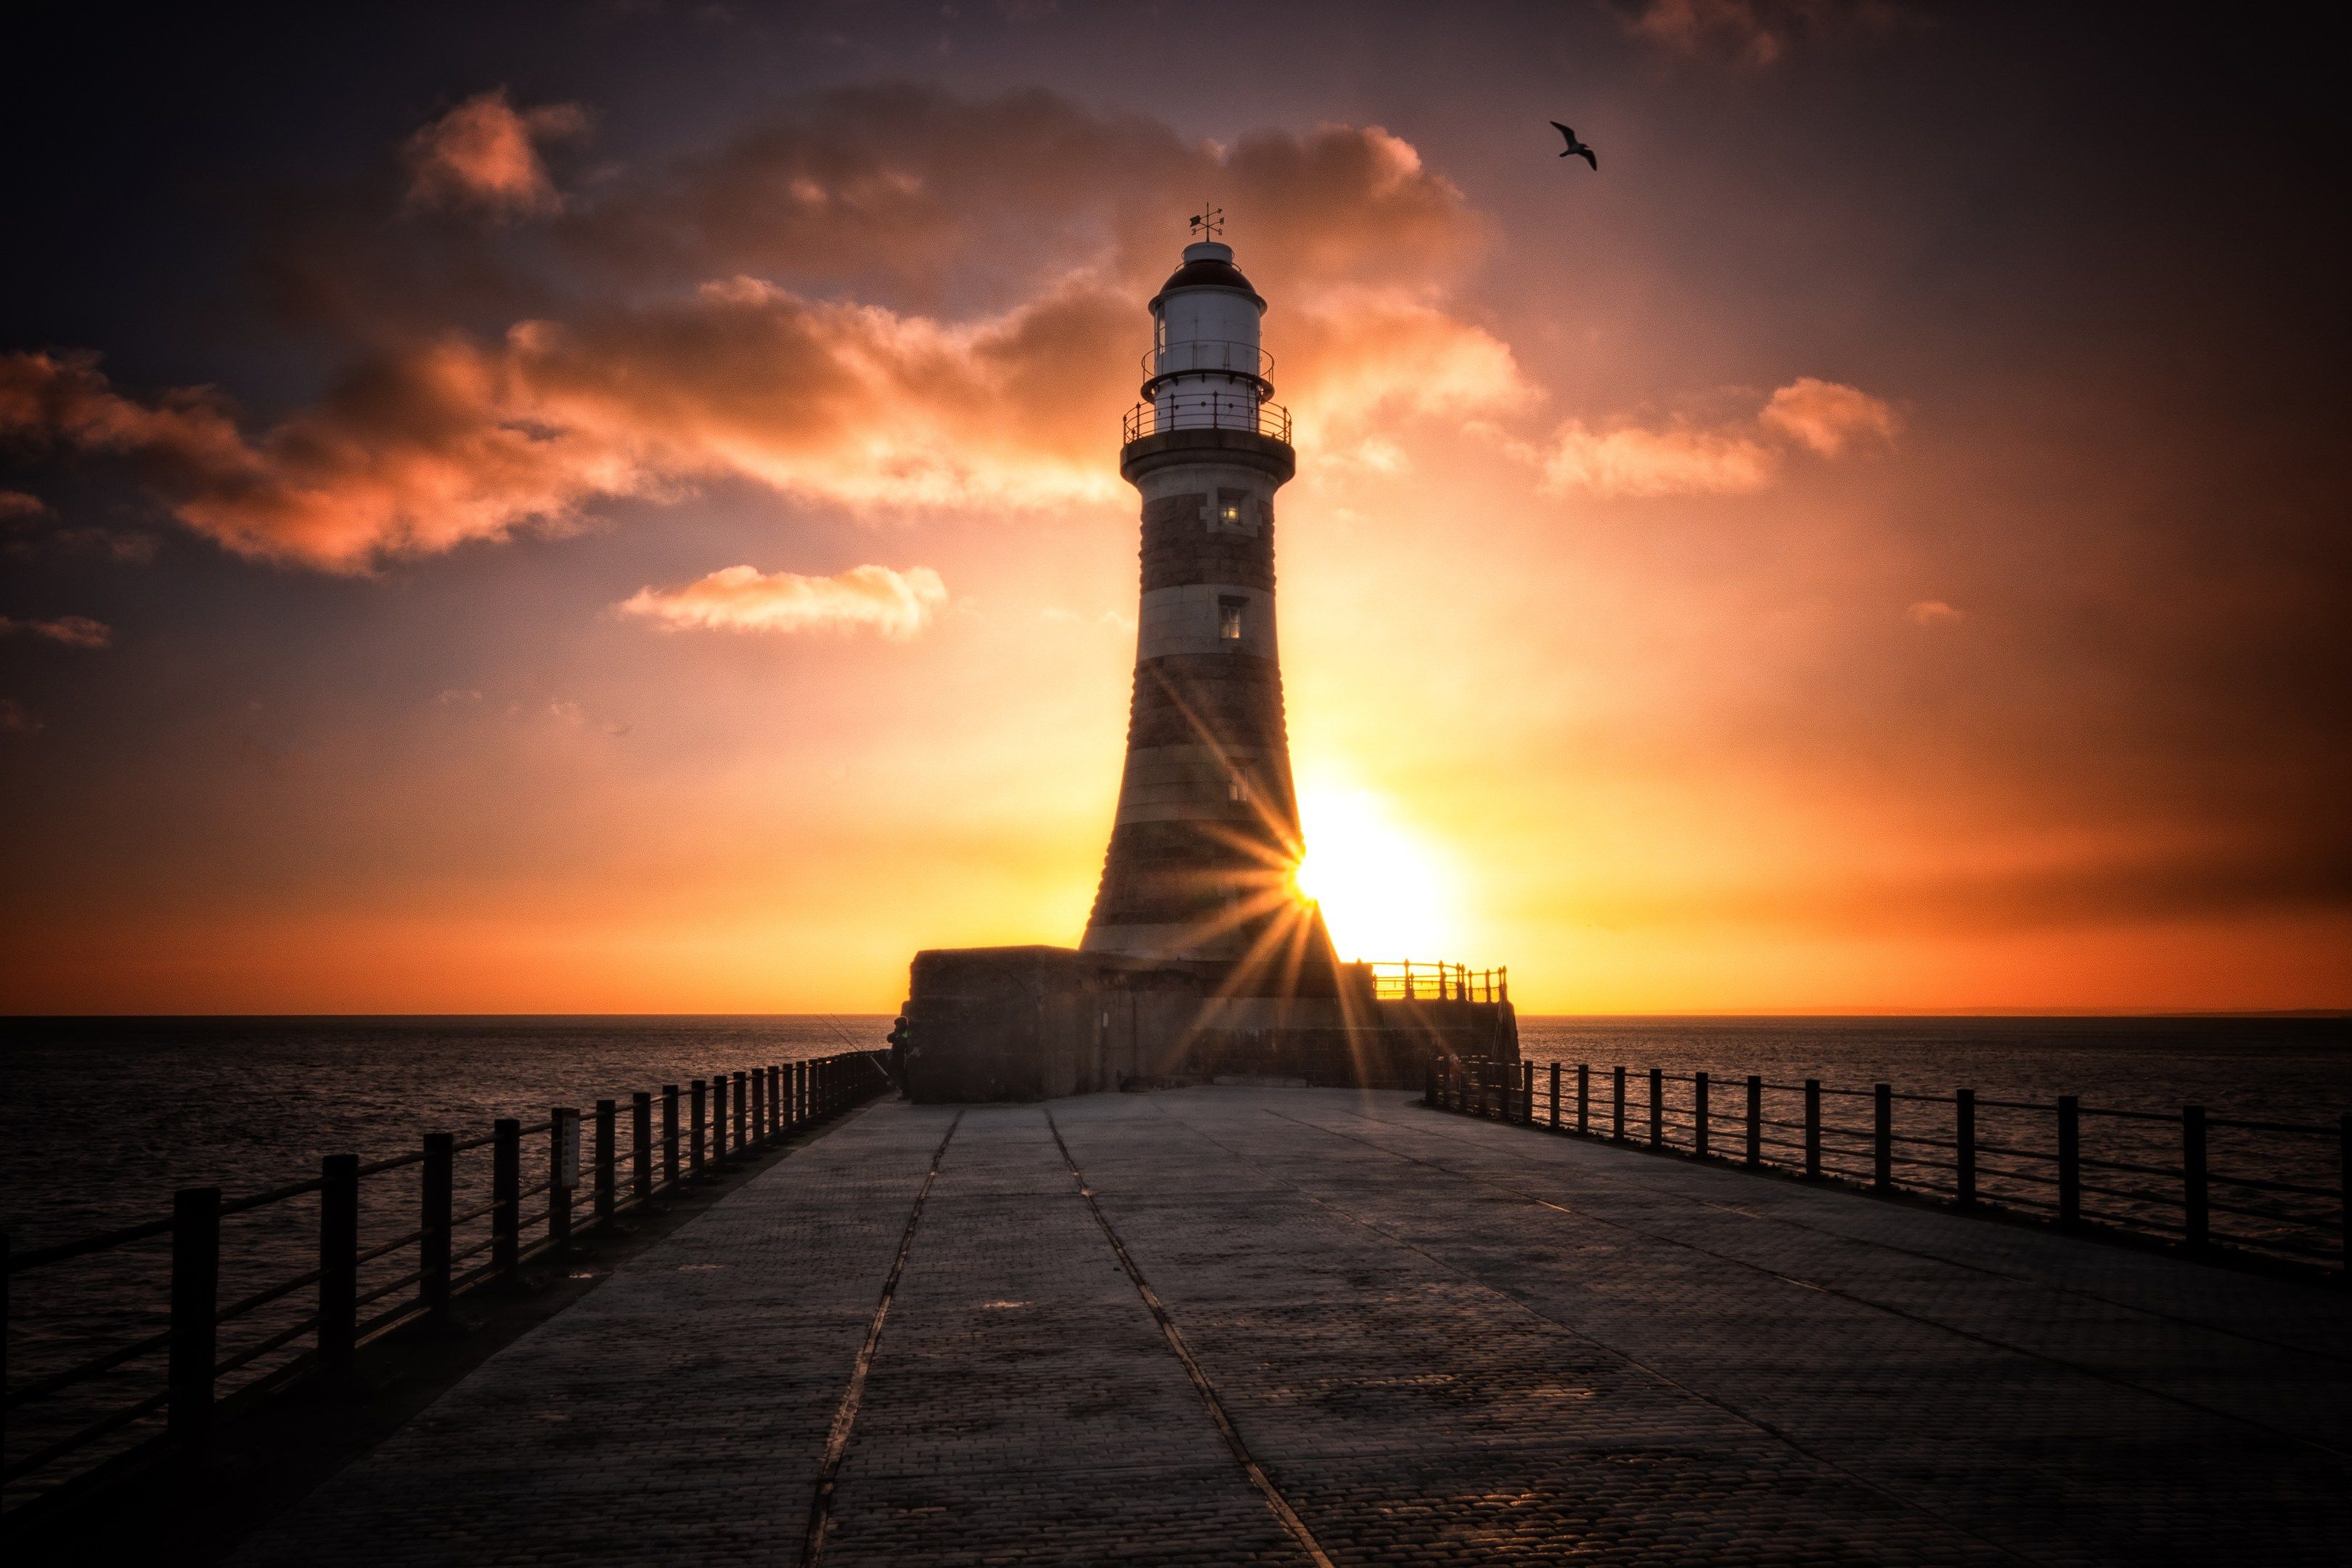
1229	618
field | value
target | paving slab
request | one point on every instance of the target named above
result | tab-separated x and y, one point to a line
1261	1325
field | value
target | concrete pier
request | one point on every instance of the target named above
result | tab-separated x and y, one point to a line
1239	1325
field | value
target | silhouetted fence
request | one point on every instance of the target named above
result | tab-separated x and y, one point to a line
673	1138
2233	1184
1408	980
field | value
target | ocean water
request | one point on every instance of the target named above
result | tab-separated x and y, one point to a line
2122	1070
102	1118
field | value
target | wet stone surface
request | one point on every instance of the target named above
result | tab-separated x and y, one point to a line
1439	1340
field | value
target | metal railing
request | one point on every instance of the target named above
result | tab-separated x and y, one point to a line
457	1248
1208	356
2019	1158
1207	411
1407	981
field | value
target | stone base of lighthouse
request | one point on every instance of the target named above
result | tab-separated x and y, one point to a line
1036	1023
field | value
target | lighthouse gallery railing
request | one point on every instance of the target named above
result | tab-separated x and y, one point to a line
1207	411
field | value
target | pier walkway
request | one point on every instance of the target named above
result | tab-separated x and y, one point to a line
1240	1325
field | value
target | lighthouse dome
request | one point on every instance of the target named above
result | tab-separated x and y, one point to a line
1208	265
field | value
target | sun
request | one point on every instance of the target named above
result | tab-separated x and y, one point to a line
1384	893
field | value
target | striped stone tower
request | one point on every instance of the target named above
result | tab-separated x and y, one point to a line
1199	868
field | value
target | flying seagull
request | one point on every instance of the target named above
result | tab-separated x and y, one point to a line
1576	149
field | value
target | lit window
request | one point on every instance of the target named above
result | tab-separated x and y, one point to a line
1237	788
1232	514
1229	619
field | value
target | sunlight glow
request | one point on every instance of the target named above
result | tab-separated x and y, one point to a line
1385	892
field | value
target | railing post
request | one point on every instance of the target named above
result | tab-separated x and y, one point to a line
641	1139
339	1265
1554	1096
670	1136
1584	1098
1618	1135
1527	1094
2070	1160
1813	1130
775	1101
563	1172
742	1115
606	1111
1698	1114
2196	1225
1755	1120
759	1108
1882	1137
718	1120
436	1190
1964	1148
694	1126
1657	1108
506	1197
195	1301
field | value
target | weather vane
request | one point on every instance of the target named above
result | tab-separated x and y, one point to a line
1210	223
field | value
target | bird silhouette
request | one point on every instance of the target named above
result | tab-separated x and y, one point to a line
1576	149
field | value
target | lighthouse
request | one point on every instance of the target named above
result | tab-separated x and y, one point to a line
1201	959
1206	834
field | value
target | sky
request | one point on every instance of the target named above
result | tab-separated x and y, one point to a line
615	508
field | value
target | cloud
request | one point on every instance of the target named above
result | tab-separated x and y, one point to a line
1677	460
1933	612
1755	32
15	719
665	374
571	715
1825	417
16	506
1737	457
485	154
744	599
74	631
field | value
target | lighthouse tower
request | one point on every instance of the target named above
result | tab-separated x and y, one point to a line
1206	837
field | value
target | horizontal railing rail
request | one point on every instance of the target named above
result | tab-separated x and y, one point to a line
2039	1168
1206	411
724	1118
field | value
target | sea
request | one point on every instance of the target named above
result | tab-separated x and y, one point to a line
100	1119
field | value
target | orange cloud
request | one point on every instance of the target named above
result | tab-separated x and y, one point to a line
16	506
1632	461
74	631
15	719
745	599
1825	417
435	437
1933	612
1735	458
1757	32
486	153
